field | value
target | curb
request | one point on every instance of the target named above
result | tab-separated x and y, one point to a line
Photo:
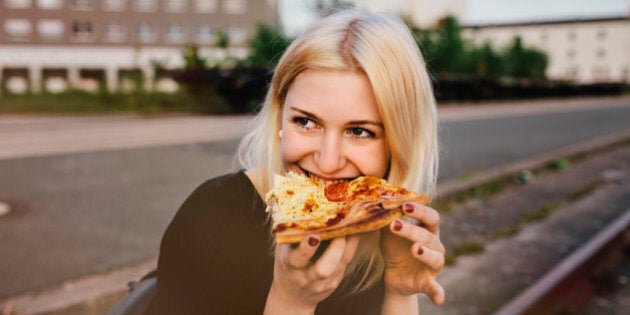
453	186
97	293
88	295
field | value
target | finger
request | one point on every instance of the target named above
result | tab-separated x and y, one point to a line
436	293
426	215
432	258
413	233
299	257
330	260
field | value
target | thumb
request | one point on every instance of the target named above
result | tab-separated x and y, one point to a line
436	293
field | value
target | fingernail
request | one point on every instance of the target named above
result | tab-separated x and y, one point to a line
408	208
313	241
397	225
420	251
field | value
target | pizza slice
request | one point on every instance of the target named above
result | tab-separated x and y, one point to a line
301	206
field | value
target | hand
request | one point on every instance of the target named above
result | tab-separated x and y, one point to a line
414	254
299	284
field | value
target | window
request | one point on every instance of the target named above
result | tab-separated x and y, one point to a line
175	5
145	32
235	6
205	6
175	33
83	5
145	5
82	30
50	29
114	32
205	34
600	73
17	4
50	4
572	72
114	5
237	35
18	28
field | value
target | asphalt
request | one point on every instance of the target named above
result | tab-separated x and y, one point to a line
93	294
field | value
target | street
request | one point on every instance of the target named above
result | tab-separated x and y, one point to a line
75	214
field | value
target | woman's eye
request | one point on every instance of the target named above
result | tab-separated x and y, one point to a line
304	122
361	133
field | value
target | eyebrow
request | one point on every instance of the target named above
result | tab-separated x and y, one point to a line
353	122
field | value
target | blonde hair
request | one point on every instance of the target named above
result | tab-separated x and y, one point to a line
381	47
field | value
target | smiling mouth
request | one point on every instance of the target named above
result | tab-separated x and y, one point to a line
323	180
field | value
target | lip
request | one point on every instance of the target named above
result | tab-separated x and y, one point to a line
324	178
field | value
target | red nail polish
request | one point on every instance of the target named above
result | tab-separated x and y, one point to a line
397	225
312	241
408	208
420	251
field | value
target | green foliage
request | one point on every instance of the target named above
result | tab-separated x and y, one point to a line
223	41
521	62
448	54
266	46
327	7
192	59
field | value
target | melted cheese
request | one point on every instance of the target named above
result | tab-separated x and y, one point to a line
297	198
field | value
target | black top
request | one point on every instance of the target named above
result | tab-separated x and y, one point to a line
216	257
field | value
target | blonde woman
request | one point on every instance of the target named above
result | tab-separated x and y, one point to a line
350	97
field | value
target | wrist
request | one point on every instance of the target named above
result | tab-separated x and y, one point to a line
279	303
396	303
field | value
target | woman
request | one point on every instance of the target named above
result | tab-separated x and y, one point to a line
350	97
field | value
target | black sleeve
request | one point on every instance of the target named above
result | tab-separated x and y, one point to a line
215	256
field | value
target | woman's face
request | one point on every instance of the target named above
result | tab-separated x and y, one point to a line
332	128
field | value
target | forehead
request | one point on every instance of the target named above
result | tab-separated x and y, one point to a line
334	94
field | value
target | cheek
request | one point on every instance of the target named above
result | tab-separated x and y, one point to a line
292	149
372	160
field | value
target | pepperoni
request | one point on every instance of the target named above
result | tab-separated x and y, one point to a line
335	220
337	191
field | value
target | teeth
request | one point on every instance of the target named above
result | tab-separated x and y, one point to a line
325	181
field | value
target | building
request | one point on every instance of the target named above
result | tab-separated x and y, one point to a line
49	45
422	13
581	51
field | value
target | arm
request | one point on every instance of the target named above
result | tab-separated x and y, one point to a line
399	304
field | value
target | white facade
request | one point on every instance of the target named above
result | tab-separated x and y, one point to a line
582	51
422	13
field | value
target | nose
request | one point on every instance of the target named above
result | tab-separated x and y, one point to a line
329	157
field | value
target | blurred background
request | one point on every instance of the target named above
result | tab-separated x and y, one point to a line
113	111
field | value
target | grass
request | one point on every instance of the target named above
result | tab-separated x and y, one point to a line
82	102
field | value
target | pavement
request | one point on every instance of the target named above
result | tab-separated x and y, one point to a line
93	294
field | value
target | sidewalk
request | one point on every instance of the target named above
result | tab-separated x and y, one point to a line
34	135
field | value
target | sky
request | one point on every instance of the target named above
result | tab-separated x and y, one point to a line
295	14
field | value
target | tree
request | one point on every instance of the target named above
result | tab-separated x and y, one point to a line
521	62
223	41
192	59
327	7
266	46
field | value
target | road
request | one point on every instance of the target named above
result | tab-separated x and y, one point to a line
79	212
